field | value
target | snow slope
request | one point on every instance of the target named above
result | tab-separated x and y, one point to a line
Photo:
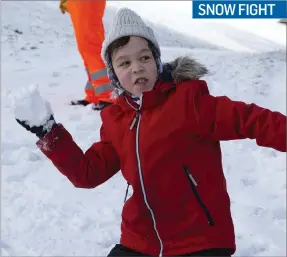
43	214
244	35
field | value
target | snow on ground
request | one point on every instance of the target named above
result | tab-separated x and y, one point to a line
43	214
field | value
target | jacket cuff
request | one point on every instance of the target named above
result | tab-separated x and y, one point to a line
51	139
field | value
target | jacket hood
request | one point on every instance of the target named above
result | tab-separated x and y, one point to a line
179	70
186	68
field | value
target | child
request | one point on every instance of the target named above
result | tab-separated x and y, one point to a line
162	132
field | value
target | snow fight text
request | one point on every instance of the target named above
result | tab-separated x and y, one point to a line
236	9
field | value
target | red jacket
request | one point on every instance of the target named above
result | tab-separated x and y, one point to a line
171	157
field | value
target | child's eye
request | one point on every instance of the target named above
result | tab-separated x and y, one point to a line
144	58
124	64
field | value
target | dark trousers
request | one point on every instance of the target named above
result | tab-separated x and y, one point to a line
120	250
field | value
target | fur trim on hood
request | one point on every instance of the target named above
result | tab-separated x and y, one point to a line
181	69
186	68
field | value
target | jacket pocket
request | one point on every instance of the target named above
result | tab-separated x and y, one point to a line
193	184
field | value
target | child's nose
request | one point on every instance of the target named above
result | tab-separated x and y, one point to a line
137	67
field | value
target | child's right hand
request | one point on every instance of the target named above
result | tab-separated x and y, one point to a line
33	112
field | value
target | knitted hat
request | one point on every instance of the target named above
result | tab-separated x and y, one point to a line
128	23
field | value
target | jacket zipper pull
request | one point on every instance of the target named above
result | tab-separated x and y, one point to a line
134	120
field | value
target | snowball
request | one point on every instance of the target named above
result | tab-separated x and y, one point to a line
31	107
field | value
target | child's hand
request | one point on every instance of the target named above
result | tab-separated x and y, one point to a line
33	112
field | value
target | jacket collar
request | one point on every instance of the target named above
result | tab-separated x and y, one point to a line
151	98
174	72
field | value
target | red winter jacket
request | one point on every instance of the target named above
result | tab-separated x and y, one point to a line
168	150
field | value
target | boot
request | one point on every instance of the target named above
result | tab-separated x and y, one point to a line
100	106
80	102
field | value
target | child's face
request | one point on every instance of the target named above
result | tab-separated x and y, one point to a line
135	66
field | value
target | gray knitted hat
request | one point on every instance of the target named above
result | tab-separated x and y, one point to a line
128	23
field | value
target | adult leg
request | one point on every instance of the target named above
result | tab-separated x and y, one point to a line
87	19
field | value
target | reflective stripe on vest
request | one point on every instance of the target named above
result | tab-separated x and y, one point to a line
99	74
103	88
89	85
99	89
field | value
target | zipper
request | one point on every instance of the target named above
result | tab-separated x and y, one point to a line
136	122
193	184
135	119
